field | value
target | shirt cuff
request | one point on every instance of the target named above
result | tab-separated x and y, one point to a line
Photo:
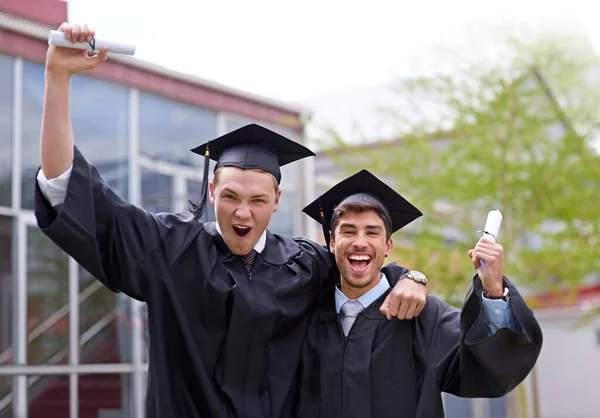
55	190
495	312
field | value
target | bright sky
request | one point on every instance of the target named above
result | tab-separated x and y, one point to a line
328	54
297	50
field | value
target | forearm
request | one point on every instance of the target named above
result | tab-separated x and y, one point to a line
56	131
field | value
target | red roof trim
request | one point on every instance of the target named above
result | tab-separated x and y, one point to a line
35	50
49	12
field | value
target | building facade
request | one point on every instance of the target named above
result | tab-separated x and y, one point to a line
68	346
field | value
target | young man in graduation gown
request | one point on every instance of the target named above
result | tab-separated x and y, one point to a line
228	302
356	363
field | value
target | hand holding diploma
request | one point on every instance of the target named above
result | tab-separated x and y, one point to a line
487	256
58	38
64	62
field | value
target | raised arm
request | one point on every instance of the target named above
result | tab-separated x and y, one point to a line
121	245
56	132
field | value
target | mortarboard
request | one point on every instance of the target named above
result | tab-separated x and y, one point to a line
363	187
249	147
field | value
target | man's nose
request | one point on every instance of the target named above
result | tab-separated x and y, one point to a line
360	241
243	211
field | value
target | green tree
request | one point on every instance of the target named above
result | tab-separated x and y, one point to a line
516	134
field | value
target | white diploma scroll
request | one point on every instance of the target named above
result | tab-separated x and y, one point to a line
491	229
57	38
492	225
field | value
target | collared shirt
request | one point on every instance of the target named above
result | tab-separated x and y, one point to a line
497	312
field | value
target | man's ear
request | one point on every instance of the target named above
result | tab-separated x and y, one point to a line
331	244
211	194
277	199
389	247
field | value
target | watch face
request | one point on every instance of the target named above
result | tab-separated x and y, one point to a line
418	276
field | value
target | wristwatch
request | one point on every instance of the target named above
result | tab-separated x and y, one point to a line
415	276
504	296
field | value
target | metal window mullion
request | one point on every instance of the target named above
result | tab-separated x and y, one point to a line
134	179
66	369
20	316
73	336
17	131
19	242
180	194
221	123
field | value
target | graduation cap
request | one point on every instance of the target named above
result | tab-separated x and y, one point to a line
249	147
362	187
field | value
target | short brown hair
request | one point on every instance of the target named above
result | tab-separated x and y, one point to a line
358	207
275	184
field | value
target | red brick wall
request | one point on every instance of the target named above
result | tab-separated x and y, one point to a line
49	12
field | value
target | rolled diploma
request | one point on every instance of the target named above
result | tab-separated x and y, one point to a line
492	224
57	38
492	227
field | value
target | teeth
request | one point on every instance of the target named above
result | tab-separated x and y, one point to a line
360	257
241	227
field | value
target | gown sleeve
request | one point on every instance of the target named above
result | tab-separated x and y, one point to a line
121	245
464	358
326	271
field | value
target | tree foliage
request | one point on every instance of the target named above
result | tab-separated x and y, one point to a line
516	134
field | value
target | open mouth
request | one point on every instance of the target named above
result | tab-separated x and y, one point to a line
359	262
241	230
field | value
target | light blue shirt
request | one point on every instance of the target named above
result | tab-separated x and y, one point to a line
497	312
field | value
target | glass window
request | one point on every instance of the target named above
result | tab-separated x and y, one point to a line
99	118
33	91
6	115
6	384
6	294
48	396
169	129
157	191
105	396
47	300
283	221
233	124
98	320
99	114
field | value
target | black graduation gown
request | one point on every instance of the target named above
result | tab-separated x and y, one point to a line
220	344
399	368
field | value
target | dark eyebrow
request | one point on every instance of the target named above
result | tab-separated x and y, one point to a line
371	227
378	227
228	190
260	196
347	225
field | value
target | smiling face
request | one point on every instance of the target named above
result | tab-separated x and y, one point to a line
360	243
244	202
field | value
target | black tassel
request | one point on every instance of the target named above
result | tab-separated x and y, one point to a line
324	225
199	208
